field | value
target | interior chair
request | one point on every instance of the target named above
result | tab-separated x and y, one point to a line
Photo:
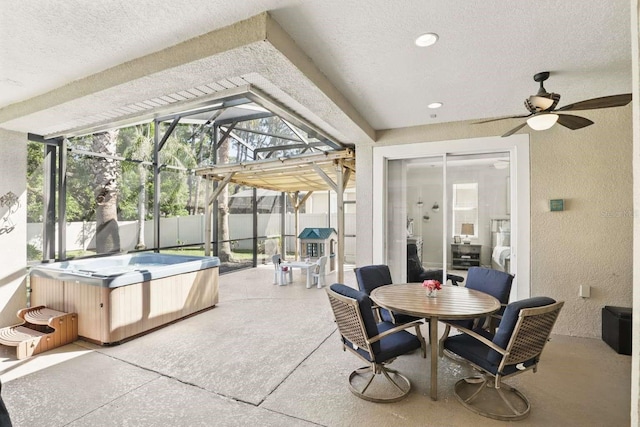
320	271
280	275
377	344
515	348
373	276
416	273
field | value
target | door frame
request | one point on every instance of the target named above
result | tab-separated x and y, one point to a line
520	208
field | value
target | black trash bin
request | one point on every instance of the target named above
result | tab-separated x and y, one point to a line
616	328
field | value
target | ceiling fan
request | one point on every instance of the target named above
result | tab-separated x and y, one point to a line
543	113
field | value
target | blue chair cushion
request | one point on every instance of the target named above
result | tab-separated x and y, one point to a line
493	282
364	305
509	320
394	345
387	348
476	352
372	276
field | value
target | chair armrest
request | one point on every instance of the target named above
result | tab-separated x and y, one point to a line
482	339
398	328
376	312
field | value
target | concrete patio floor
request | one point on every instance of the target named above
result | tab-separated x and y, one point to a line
270	356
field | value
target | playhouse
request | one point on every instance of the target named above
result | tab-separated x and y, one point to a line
317	242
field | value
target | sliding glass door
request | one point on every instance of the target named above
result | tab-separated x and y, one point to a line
455	210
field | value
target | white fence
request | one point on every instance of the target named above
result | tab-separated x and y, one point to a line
189	230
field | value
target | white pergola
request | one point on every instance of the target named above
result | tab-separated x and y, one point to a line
329	170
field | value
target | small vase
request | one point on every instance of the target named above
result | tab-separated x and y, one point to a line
431	293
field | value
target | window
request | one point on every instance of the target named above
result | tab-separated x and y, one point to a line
315	250
312	250
465	207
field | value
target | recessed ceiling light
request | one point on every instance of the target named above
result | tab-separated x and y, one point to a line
426	39
435	105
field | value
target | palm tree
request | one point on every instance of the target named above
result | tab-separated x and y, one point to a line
224	248
105	190
140	149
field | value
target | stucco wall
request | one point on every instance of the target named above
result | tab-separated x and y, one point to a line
590	243
13	246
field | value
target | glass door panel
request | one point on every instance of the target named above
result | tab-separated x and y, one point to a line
478	206
415	217
447	213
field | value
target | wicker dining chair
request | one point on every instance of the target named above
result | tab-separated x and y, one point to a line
493	282
515	348
370	277
377	344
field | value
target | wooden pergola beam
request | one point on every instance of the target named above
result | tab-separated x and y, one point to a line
271	164
307	172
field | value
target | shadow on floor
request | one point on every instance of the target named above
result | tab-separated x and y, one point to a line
270	355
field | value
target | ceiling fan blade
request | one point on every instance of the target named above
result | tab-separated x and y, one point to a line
603	102
503	118
573	122
514	130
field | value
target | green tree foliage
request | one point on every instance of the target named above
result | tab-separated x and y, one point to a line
35	157
181	192
81	203
135	144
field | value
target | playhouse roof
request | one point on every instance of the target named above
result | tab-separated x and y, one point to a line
317	233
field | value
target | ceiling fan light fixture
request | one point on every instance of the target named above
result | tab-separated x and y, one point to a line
541	103
542	121
426	39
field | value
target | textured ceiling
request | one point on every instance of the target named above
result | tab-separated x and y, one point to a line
347	66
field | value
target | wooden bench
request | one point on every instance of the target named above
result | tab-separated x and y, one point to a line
42	329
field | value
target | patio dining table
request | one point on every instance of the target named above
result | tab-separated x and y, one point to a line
450	303
302	265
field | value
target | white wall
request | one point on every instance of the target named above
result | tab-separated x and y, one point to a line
13	250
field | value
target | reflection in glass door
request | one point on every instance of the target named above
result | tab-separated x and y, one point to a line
447	213
415	217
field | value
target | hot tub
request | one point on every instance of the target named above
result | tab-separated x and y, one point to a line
122	296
